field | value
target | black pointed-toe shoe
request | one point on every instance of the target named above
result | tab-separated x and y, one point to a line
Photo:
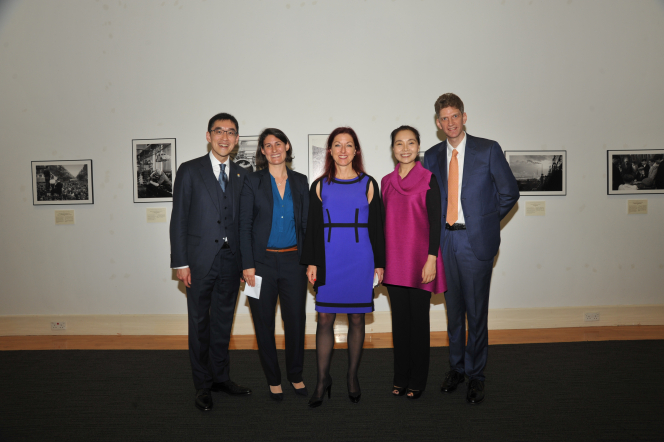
278	397
300	391
317	401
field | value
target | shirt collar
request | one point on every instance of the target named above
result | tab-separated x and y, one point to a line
461	148
217	163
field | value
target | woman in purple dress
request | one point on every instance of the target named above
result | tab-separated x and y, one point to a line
344	249
414	267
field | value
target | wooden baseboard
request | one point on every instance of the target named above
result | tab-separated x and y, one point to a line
377	322
372	340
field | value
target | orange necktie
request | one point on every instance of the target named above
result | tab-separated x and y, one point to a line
453	189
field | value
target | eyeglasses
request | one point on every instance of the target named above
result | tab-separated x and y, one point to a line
229	132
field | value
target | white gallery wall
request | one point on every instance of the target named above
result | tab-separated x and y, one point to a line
81	79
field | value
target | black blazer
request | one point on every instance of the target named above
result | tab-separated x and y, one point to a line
256	205
195	221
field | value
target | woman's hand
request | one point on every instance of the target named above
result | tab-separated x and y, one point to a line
311	274
249	276
429	270
380	273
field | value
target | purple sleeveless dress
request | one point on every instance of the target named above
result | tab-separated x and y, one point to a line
349	260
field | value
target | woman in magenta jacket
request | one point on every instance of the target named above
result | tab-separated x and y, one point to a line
414	267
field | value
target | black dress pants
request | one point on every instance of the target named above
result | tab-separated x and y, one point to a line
210	306
286	279
410	335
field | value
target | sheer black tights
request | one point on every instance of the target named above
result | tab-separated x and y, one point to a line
325	347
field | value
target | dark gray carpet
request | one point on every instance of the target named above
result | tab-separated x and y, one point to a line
591	391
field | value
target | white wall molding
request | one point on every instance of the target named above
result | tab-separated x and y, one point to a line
378	322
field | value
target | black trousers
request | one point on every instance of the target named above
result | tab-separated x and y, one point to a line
286	279
211	305
410	335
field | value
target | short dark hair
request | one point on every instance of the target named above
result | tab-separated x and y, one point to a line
628	178
329	171
448	100
223	116
261	160
405	127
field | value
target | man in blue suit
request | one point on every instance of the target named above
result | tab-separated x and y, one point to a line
205	251
477	190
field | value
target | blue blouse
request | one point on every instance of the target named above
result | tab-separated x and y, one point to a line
282	234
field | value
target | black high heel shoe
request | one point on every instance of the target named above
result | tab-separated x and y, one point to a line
355	397
300	391
317	401
415	393
400	391
278	397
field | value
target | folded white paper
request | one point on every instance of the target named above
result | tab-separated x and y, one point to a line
255	291
375	279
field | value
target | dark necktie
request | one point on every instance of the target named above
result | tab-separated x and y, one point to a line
223	178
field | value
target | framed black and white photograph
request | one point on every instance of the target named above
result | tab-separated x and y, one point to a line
634	171
62	182
245	152
539	172
154	169
317	148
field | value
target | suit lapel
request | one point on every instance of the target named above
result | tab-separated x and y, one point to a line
210	181
266	187
234	176
295	195
442	167
469	161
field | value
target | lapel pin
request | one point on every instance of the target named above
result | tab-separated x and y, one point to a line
238	175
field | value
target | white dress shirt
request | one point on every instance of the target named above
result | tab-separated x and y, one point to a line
461	148
216	165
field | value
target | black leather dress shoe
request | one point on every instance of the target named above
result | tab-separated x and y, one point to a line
475	393
452	380
203	400
230	387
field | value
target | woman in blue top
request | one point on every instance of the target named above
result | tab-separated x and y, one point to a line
274	205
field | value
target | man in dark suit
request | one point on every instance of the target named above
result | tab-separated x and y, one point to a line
205	251
477	190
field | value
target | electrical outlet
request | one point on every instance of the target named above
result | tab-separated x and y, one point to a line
591	316
59	325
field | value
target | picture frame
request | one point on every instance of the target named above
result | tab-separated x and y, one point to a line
632	172
62	182
317	150
153	166
244	154
539	172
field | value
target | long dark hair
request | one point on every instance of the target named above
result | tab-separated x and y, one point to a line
330	166
261	160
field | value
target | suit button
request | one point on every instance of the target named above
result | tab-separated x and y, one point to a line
216	240
218	221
